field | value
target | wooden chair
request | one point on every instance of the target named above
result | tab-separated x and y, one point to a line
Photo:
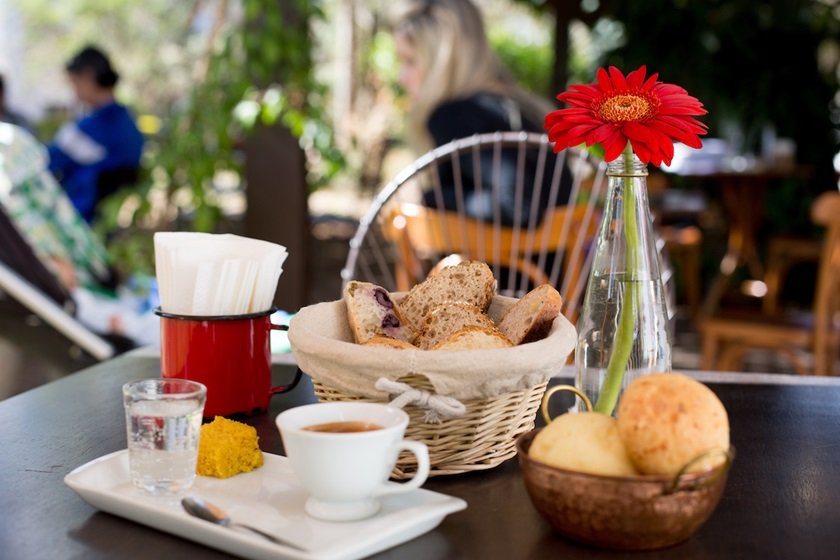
400	241
726	340
682	242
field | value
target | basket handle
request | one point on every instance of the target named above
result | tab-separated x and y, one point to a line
560	388
674	485
437	407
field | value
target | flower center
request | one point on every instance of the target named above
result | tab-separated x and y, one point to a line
626	107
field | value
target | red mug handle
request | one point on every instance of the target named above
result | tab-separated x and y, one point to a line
280	389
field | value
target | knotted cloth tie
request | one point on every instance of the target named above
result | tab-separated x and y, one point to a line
438	408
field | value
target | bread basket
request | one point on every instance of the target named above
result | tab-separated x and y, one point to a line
500	389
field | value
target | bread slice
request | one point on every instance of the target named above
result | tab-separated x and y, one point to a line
371	312
445	320
470	282
389	342
474	338
530	318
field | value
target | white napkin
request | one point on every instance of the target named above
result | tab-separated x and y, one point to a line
206	275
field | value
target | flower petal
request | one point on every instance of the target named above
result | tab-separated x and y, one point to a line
677	133
614	145
617	77
601	133
638	132
651	81
641	150
652	134
636	78
604	83
688	124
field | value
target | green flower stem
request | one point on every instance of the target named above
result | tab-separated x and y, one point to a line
623	341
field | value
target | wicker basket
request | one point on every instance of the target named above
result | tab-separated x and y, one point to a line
501	388
481	439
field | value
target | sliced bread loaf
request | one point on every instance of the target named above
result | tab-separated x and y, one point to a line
530	318
474	338
389	342
470	282
371	312
445	320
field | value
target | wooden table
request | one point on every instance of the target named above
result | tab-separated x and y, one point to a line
782	500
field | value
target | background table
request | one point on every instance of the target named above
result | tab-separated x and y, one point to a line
782	500
743	195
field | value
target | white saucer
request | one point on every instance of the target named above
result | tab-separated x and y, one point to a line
328	511
269	498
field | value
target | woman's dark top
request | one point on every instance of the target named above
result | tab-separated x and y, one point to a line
484	113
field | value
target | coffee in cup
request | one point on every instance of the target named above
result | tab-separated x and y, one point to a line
343	427
343	454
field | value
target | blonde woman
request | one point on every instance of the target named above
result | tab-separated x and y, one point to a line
457	87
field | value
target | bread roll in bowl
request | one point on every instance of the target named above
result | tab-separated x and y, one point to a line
668	420
585	442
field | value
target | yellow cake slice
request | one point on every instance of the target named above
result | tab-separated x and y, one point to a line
227	448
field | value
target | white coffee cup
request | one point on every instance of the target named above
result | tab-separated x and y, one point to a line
345	473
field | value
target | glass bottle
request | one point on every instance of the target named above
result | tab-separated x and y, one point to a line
623	329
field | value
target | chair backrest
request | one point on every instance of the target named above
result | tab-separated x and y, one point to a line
553	199
826	212
16	253
33	207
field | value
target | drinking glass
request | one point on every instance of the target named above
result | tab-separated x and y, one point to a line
163	424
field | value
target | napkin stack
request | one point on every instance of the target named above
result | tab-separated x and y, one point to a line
202	274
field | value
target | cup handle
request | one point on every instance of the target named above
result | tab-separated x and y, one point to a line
421	452
280	389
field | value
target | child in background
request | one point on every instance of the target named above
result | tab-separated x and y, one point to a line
104	143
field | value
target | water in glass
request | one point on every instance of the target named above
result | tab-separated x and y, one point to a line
163	431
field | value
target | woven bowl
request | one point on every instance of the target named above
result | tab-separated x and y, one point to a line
622	513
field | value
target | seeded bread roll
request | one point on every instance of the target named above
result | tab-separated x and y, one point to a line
445	320
474	338
470	282
389	342
530	318
371	313
668	419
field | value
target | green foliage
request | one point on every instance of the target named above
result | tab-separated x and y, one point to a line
751	64
241	90
530	63
139	36
210	78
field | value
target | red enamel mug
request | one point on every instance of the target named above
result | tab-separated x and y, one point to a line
231	355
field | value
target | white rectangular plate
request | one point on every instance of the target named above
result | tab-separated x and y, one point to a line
269	498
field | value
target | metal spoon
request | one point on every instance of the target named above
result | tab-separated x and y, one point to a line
198	507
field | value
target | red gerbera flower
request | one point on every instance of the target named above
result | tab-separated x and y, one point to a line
615	110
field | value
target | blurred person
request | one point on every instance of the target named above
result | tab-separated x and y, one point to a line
6	114
42	214
456	88
103	145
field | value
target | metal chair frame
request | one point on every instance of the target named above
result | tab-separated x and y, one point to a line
374	256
